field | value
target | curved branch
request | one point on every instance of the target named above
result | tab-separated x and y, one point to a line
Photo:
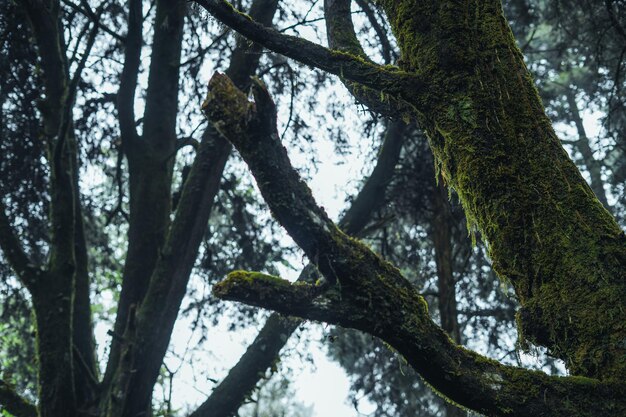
228	396
388	79
342	37
373	296
465	377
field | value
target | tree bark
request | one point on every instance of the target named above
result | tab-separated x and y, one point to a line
547	233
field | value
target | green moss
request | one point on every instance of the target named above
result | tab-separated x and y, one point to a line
249	279
235	10
546	232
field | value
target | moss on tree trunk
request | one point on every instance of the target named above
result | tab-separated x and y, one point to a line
547	233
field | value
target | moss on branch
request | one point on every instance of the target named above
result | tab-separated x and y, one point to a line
373	296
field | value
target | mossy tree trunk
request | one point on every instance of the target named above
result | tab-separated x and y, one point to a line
547	233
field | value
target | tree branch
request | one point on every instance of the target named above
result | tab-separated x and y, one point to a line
13	403
387	79
12	249
168	280
372	295
228	396
128	79
342	37
95	18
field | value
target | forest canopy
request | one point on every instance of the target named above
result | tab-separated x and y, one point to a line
161	159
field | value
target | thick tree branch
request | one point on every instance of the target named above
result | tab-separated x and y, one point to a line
342	37
13	403
372	295
228	396
387	79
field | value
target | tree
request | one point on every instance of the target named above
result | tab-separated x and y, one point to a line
461	77
467	84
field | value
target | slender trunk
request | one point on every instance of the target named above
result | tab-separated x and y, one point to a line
166	278
594	167
441	236
442	242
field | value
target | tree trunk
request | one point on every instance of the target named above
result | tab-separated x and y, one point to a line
446	284
547	232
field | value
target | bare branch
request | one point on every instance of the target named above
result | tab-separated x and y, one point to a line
89	13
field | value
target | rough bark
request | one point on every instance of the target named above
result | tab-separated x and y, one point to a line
372	295
547	232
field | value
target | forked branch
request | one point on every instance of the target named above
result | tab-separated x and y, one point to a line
387	79
371	294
